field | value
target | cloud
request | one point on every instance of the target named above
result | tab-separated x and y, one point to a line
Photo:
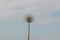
45	21
13	9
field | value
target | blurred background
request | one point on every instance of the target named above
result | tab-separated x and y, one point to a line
46	25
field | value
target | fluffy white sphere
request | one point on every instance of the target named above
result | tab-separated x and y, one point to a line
28	18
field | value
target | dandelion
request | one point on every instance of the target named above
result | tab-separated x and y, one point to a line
29	19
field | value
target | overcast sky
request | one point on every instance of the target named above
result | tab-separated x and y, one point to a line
46	25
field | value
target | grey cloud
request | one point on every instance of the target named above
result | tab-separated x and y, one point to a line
16	9
20	7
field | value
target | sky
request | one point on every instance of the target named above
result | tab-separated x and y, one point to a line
46	25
